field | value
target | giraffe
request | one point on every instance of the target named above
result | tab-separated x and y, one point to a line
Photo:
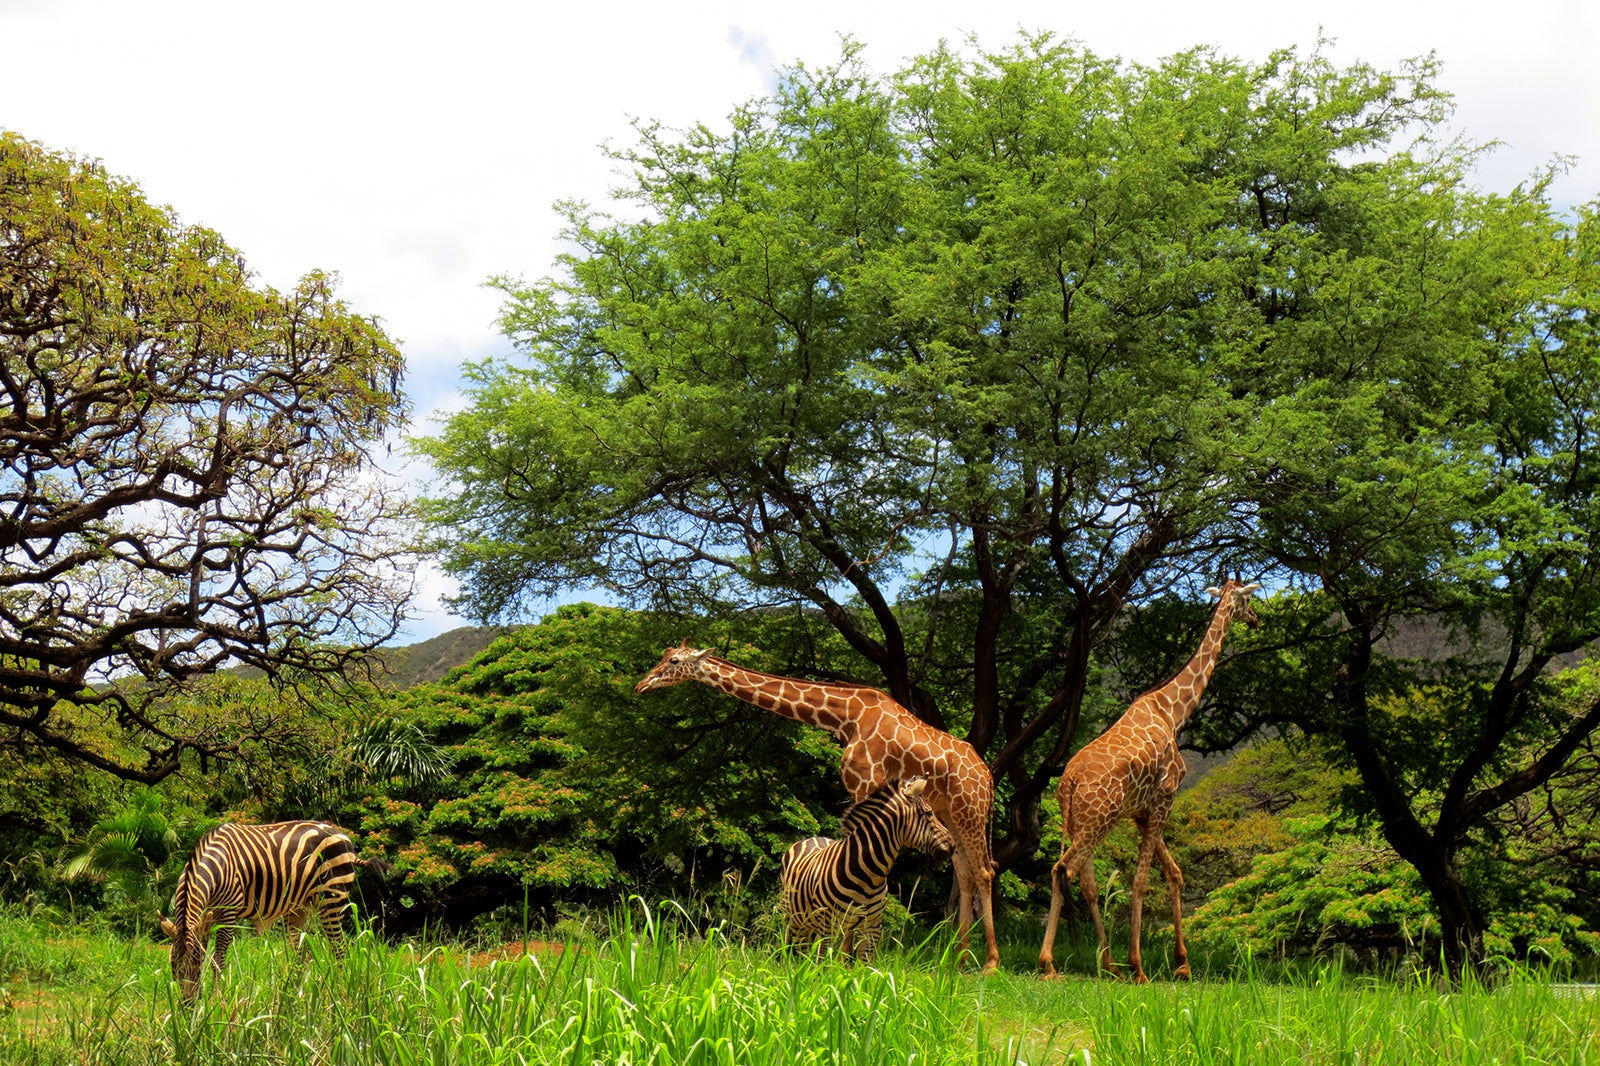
882	742
1134	769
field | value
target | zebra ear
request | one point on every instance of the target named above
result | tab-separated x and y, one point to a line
166	925
914	786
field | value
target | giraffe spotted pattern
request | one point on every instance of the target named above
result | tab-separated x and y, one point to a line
882	741
837	888
1134	769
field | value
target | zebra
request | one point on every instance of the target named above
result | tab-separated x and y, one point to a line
839	887
261	873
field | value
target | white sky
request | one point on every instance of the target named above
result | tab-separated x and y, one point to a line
416	149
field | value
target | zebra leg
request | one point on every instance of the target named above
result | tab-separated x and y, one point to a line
331	914
870	932
219	952
294	925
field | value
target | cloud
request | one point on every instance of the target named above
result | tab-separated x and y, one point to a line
418	149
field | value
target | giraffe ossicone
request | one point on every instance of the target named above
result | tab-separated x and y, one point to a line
882	741
1133	770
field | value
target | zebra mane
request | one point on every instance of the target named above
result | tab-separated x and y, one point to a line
183	897
862	811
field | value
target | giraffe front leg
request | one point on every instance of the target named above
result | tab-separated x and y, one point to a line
1091	896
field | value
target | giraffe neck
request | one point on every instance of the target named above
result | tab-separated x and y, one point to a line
828	706
1181	695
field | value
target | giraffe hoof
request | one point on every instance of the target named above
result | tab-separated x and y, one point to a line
1182	972
1050	975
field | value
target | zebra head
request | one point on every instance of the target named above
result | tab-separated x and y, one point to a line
676	666
189	938
923	831
909	822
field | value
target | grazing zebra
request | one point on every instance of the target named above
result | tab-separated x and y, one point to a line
839	887
261	873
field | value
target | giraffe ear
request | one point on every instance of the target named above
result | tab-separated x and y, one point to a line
1248	589
696	655
1214	593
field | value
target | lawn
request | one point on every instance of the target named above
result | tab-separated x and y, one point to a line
654	994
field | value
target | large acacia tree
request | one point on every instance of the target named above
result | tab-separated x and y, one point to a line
185	475
972	358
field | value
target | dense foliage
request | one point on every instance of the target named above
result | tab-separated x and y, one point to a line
959	381
567	788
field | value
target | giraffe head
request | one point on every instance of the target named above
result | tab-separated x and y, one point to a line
679	664
1236	595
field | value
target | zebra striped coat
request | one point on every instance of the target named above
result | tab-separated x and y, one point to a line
839	887
260	873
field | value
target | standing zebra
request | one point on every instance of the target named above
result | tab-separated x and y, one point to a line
261	873
840	886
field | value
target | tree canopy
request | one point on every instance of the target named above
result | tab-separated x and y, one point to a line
185	475
973	359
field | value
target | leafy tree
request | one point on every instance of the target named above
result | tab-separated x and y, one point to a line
135	852
184	472
973	359
1428	460
950	358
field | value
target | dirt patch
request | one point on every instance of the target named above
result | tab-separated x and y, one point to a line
516	949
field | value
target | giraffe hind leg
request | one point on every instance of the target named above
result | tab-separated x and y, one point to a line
1047	952
1174	876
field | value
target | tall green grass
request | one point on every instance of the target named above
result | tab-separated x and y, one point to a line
653	992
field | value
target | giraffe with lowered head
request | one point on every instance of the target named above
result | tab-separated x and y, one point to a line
882	742
1134	769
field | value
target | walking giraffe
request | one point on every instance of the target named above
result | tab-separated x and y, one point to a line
1134	769
882	742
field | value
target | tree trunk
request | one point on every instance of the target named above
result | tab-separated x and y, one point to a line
1460	923
1431	854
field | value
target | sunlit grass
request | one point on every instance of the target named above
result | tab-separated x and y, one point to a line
654	993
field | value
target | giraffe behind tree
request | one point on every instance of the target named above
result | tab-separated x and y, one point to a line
1134	769
882	742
